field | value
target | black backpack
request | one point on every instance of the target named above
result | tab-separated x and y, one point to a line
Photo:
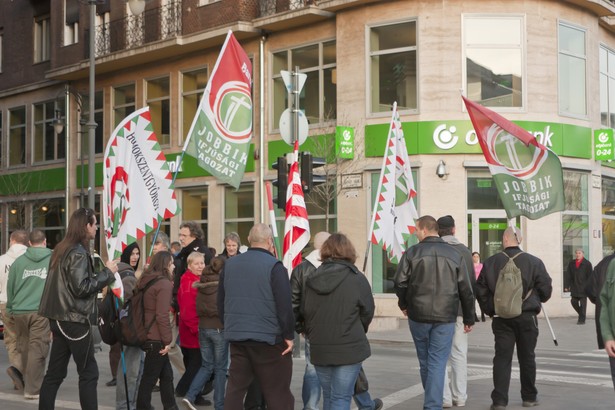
133	330
108	322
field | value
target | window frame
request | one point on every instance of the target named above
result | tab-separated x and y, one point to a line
149	101
42	38
523	53
184	94
99	112
123	106
320	69
569	25
47	124
22	126
368	74
610	91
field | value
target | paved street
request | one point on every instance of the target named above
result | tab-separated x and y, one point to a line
573	375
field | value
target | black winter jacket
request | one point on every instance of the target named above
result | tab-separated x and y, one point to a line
576	278
338	308
431	281
297	286
72	286
533	273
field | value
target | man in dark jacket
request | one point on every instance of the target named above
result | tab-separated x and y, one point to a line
577	275
254	304
430	282
521	330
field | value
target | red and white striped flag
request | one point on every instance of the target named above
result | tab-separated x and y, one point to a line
296	226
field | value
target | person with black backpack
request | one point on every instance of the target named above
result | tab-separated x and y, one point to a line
157	288
513	304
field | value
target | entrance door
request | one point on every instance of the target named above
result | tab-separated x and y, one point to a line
485	232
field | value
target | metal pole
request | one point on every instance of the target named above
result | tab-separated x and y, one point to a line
295	115
91	121
67	153
261	139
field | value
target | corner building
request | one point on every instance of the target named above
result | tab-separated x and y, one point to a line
549	66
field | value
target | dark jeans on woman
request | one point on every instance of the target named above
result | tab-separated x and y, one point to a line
192	361
156	366
64	345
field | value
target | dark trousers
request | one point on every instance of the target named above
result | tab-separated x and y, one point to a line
523	332
192	362
580	306
254	397
612	365
156	366
82	351
115	353
265	362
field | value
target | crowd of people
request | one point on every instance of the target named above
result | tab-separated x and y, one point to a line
227	323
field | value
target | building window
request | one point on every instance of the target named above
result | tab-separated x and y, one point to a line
42	39
49	215
318	98
494	60
575	218
123	103
47	145
239	210
195	208
608	216
17	136
392	67
71	22
2	160
1	40
607	87
572	71
193	85
98	119
160	108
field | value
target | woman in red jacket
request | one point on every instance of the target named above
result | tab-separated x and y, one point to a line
189	321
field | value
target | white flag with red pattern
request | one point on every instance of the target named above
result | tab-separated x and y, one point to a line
296	226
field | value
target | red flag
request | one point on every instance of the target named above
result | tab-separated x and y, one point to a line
296	226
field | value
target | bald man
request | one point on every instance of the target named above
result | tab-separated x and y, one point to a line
522	330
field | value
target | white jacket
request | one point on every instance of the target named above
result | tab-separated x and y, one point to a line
6	260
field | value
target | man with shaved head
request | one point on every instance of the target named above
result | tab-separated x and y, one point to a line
522	330
254	304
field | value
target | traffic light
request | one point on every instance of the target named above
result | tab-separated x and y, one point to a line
308	179
282	182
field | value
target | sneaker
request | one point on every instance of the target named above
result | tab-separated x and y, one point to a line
497	407
187	404
30	396
447	405
16	376
111	382
378	404
459	403
531	403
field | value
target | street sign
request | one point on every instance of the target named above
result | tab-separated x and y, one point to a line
287	76
285	127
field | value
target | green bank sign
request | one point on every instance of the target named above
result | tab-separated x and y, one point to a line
459	137
344	142
604	149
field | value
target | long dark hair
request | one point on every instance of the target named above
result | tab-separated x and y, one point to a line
159	265
76	233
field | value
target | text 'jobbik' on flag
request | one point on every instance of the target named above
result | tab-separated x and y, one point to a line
394	211
137	185
527	174
296	225
220	134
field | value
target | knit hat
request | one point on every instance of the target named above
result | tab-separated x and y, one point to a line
446	222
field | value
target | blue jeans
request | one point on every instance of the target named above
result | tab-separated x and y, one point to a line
338	385
133	368
433	343
214	353
364	401
310	392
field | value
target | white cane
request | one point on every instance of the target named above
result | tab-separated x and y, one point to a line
549	323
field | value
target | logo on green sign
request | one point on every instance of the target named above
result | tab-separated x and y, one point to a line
604	145
344	142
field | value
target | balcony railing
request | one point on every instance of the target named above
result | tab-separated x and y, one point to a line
271	7
134	31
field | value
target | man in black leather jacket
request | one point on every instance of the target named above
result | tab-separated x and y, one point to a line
69	300
521	330
430	282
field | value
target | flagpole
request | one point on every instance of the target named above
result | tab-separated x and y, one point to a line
272	221
384	161
178	164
